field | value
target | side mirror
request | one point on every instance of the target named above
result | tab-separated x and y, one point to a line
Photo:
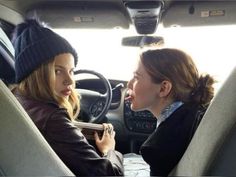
142	41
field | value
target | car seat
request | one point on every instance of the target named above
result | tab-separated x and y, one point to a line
212	150
23	150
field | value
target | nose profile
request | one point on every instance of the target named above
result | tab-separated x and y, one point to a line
129	84
68	79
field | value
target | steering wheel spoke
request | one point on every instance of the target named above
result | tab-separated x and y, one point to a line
104	95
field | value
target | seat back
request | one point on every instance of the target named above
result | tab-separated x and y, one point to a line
23	150
212	150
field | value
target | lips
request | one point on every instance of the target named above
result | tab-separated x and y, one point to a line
129	95
66	92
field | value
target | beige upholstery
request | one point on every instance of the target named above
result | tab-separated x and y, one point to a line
23	150
212	150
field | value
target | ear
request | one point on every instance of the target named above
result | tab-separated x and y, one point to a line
165	89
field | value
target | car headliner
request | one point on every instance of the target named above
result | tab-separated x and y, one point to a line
113	13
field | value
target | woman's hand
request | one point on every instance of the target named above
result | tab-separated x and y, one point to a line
107	142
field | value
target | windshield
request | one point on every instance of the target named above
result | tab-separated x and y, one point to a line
212	49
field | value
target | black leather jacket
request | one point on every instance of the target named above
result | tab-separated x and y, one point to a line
167	144
68	141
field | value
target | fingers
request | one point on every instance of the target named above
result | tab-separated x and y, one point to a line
108	129
96	137
107	141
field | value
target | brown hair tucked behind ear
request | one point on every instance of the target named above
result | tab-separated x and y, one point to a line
178	67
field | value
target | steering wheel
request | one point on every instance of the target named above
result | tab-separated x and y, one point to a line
94	104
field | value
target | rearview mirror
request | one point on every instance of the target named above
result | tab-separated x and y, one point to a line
142	41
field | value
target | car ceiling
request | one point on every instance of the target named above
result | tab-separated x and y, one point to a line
114	13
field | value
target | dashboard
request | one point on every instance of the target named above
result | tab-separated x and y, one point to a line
140	122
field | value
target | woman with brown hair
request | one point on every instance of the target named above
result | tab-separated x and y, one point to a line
167	83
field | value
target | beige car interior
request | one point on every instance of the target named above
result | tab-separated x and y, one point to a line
24	151
213	147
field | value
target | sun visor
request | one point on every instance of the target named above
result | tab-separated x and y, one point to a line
200	13
81	15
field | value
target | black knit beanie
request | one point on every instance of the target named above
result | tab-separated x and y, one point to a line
34	45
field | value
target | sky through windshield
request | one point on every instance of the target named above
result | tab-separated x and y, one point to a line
212	49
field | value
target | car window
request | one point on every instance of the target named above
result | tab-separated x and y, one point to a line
211	48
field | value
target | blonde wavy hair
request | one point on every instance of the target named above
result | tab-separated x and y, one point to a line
40	84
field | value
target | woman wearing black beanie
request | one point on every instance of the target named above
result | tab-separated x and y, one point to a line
44	63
